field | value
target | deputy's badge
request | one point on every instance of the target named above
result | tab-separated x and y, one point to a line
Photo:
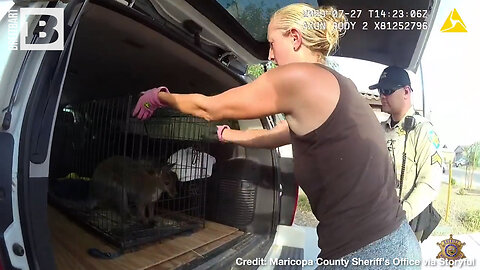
146	105
401	132
436	158
432	136
451	249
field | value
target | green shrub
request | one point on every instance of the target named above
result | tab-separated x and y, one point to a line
255	70
454	182
462	191
471	220
258	69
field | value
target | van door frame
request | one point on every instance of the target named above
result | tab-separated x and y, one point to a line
34	149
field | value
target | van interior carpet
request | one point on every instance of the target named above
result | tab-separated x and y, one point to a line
71	243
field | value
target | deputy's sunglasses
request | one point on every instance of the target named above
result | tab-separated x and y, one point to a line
388	92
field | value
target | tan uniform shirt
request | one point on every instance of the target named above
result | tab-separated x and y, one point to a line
423	164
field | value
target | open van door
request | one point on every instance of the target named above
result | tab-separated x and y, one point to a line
387	32
25	134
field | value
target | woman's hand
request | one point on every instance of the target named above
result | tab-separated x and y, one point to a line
149	102
256	138
215	133
220	130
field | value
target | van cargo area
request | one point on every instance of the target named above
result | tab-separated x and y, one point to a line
223	196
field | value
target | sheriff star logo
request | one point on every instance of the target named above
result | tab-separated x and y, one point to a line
451	249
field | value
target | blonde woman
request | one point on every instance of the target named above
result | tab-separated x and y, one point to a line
340	158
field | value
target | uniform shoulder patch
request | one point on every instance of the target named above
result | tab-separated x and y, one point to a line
436	158
432	137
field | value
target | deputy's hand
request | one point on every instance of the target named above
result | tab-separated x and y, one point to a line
149	102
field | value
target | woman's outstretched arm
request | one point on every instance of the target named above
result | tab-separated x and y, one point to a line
271	93
259	138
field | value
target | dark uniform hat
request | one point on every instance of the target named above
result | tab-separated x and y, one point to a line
392	78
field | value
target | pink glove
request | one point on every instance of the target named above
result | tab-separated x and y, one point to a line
149	102
220	130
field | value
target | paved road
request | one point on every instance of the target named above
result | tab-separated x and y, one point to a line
459	175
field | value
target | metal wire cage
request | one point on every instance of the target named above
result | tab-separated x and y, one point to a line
132	181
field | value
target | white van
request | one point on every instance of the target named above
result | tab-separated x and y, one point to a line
66	111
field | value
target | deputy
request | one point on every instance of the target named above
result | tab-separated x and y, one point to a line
414	148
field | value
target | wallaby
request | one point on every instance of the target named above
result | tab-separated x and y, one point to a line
118	180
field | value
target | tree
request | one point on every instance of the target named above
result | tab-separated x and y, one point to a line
255	70
473	162
258	69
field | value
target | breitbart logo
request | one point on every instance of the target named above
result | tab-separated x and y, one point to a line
48	27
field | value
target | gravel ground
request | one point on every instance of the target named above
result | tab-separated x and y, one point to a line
304	218
304	215
459	204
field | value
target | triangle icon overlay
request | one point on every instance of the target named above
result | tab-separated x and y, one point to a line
454	24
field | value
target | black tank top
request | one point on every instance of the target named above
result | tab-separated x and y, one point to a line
345	170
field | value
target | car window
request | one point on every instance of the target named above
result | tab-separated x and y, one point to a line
254	15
